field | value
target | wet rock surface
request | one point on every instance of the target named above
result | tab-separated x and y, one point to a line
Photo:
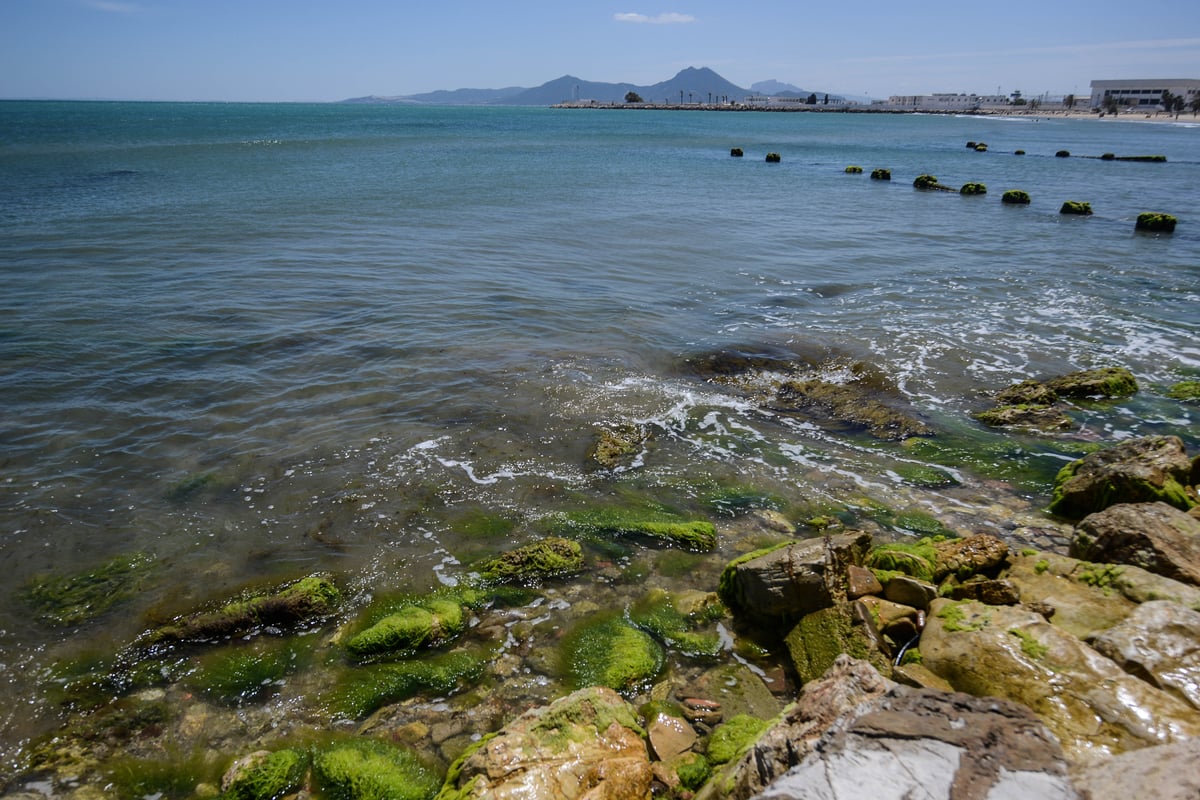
1136	471
1154	536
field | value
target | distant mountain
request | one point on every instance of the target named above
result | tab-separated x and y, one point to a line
692	85
774	88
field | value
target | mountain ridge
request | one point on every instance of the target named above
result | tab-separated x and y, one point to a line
690	85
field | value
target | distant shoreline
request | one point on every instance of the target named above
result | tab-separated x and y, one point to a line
822	109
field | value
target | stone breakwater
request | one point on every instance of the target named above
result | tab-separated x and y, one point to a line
1060	661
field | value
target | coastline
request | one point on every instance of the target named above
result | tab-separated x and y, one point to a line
1073	114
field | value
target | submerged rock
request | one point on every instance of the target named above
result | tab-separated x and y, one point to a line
616	446
428	624
1154	536
850	403
1135	471
306	600
1091	383
364	769
553	557
585	745
607	651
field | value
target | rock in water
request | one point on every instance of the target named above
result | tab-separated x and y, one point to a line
1136	471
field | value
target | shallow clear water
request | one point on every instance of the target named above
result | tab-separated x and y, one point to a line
355	323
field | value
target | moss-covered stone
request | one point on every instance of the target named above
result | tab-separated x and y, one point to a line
363	769
1187	391
1063	154
693	770
695	535
607	651
1031	417
614	446
1156	159
1091	383
364	689
820	637
311	598
1155	222
553	557
736	152
854	169
1018	152
430	624
74	599
244	673
881	174
1027	393
1135	471
733	736
973	188
1076	207
773	158
737	501
916	559
174	776
854	404
925	476
656	613
925	182
1015	197
272	777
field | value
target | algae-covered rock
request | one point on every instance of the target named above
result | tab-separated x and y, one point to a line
881	174
1092	383
854	169
1030	417
265	775
925	182
607	651
616	446
585	745
1155	222
1027	393
773	158
1015	197
933	558
818	639
693	635
1077	207
733	736
1154	536
1095	709
736	152
780	584
75	599
306	600
243	673
429	624
552	557
694	535
1135	471
364	689
364	769
1187	391
853	403
973	188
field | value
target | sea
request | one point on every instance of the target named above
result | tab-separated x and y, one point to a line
251	342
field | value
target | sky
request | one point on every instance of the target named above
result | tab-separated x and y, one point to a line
319	50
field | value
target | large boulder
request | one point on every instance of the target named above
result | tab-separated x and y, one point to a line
1167	772
853	733
1094	708
1160	643
822	636
1154	536
586	746
1136	471
782	584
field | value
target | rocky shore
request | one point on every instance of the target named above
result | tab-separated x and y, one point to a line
829	654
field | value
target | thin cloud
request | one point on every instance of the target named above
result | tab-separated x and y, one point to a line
112	7
659	19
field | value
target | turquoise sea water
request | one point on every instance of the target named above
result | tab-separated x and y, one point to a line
255	341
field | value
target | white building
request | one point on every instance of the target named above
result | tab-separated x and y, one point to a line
948	101
1143	94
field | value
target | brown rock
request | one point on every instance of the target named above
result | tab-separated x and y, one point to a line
1167	772
861	581
1135	471
999	592
670	736
972	555
1160	643
1154	536
910	592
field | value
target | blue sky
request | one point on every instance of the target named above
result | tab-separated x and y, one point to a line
289	50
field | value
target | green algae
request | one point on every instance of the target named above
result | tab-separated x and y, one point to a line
1187	391
1015	197
1076	207
693	771
954	620
175	776
694	535
432	623
364	769
734	736
273	777
881	174
1107	382
916	559
854	169
973	188
362	690
311	598
607	651
1155	222
242	674
186	488
925	182
737	501
553	557
67	600
925	476
820	637
1029	645
657	614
